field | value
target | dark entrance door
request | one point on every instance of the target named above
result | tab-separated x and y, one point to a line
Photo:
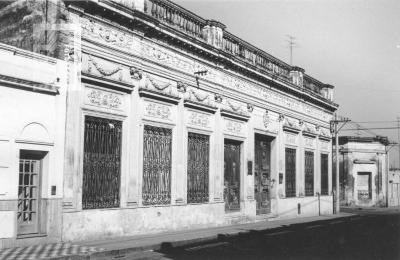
232	175
262	174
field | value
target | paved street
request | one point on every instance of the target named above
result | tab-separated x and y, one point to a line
372	235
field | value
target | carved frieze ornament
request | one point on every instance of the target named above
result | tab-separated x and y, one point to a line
102	68
103	99
157	84
198	96
250	108
136	73
181	87
281	117
301	123
234	107
218	98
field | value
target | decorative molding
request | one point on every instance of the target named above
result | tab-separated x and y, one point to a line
234	126
103	99
199	119
324	134
28	85
160	90
218	98
176	61
250	108
324	145
107	34
157	110
266	119
136	73
309	142
291	125
291	138
309	130
181	86
234	115
100	69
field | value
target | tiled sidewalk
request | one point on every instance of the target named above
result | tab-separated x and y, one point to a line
48	251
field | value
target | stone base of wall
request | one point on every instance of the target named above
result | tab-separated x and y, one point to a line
108	223
309	206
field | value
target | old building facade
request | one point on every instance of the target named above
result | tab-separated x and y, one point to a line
172	122
363	172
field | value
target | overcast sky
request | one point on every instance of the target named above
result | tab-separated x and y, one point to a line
350	44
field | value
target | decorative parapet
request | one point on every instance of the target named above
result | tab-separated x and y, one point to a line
297	76
174	15
213	33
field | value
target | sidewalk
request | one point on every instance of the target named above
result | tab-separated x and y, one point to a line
118	247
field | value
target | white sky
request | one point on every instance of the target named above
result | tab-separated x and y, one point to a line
350	44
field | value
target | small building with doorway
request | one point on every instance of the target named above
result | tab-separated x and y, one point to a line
394	187
32	127
363	171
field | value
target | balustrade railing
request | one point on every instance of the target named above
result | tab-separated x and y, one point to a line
171	14
258	58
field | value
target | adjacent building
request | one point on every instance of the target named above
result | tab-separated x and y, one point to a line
363	171
166	121
394	188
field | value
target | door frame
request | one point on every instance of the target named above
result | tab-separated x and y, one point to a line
243	182
46	152
272	141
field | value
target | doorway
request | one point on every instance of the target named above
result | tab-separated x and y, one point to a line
262	173
232	175
29	187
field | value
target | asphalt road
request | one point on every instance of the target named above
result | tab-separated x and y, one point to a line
372	235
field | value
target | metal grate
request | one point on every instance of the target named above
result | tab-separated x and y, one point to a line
28	195
101	163
157	143
198	165
290	172
309	173
324	174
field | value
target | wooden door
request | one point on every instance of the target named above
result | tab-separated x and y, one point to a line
232	175
262	174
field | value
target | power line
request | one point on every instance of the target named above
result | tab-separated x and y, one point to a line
374	128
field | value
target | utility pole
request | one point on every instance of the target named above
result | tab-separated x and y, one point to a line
335	128
291	44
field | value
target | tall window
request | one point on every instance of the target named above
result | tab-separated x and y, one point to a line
101	163
309	173
324	174
157	147
197	168
290	172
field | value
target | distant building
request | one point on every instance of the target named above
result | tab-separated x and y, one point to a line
162	121
394	188
363	171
